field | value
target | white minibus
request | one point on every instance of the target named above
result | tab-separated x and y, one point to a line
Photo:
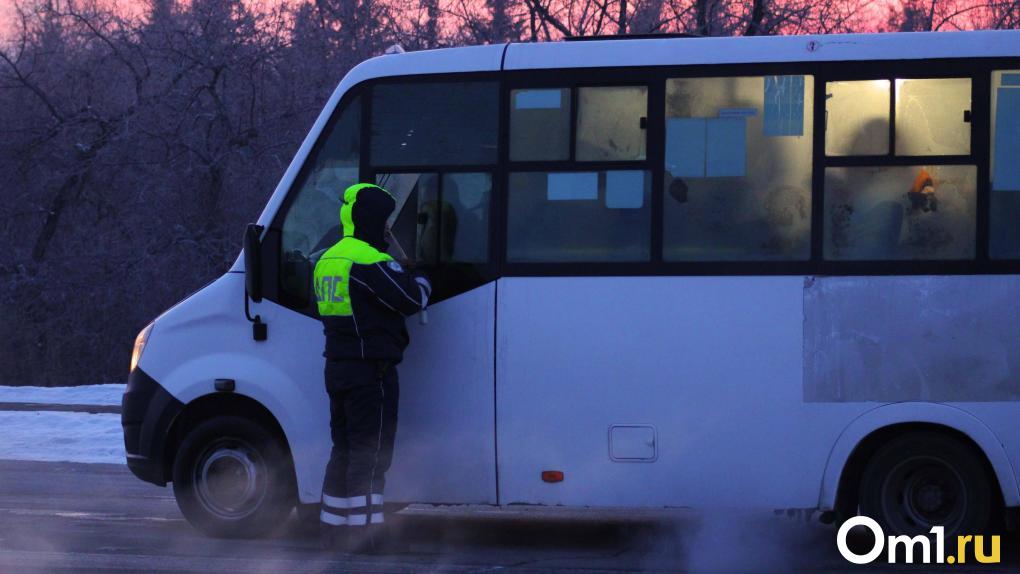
769	272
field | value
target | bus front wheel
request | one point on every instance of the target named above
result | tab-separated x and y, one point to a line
229	478
920	480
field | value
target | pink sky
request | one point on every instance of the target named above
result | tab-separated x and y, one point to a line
876	12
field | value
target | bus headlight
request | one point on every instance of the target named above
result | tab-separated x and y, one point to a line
140	340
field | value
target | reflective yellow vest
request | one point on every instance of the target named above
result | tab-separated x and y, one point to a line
333	270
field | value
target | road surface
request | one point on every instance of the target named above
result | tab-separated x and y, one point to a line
59	517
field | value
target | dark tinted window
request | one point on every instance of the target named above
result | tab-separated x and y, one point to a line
440	218
442	123
311	223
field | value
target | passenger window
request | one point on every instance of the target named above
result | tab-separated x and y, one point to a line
888	213
443	123
596	216
738	168
540	125
440	218
312	221
611	123
857	117
933	117
1004	221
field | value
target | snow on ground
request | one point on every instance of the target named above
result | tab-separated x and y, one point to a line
85	395
58	436
62	436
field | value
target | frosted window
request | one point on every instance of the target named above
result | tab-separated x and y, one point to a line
740	190
1004	219
611	224
611	123
540	125
857	118
890	213
930	117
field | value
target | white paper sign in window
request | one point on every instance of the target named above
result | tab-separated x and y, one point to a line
538	99
1006	175
625	189
726	148
706	147
573	186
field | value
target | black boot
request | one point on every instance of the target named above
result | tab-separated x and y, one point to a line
333	538
374	539
361	540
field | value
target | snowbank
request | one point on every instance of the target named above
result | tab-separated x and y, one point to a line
56	436
85	395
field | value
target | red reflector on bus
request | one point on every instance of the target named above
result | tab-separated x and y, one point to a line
552	475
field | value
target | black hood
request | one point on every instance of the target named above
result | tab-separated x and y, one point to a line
369	207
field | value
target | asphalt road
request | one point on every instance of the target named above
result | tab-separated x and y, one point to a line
58	517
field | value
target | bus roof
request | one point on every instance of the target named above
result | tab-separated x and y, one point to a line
673	51
763	49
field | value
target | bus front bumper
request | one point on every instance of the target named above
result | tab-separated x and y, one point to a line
147	413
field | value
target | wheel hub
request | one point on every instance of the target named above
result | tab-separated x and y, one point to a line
230	481
929	498
928	492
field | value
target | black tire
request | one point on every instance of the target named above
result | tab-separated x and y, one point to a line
919	480
233	478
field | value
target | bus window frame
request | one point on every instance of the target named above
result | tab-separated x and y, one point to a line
483	272
978	70
272	278
980	112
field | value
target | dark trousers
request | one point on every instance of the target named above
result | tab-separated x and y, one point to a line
363	398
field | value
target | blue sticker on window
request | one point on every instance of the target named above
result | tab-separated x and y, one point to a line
572	186
784	106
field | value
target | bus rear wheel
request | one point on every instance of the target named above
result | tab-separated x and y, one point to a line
920	480
230	480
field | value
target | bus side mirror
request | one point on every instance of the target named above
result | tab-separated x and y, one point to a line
253	277
253	261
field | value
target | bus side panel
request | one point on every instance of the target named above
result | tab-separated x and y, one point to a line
445	450
713	364
207	337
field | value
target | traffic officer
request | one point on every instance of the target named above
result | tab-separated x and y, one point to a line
363	296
